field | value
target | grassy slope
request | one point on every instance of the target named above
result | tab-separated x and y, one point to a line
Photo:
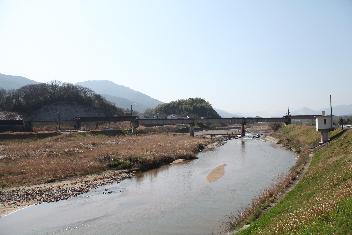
298	136
322	201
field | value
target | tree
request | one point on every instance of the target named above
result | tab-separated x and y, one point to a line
341	122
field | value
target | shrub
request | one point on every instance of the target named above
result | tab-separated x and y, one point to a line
275	126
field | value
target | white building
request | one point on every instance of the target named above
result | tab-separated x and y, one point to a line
172	116
324	124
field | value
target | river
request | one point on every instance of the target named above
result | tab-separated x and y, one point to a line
194	197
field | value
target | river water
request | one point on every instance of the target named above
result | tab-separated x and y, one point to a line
194	197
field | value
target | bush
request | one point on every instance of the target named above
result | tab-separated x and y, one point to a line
275	126
120	164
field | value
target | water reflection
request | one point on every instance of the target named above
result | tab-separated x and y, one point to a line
150	174
216	173
243	146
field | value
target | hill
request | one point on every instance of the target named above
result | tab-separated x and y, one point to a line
31	98
121	95
9	82
192	107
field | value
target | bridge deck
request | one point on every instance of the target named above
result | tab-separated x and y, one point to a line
157	122
234	120
190	121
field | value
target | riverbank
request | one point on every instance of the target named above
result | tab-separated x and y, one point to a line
57	168
190	197
321	199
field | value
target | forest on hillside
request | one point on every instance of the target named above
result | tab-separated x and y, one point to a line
27	99
192	107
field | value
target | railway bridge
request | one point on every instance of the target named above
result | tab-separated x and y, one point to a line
228	121
135	121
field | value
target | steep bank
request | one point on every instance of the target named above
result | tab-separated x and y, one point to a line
321	202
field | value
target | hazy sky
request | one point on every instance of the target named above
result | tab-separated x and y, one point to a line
242	56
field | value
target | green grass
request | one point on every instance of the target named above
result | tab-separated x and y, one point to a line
120	164
321	203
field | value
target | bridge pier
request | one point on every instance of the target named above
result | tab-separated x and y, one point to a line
288	120
27	126
243	130
191	130
77	124
134	126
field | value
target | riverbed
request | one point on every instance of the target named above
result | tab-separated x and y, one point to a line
192	197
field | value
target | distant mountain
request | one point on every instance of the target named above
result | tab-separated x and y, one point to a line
9	82
121	95
304	111
225	114
125	103
338	110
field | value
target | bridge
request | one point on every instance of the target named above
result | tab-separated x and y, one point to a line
190	121
228	121
135	121
11	125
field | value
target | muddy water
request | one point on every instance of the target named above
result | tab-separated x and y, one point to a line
193	197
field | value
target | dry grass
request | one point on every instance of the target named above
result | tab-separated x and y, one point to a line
69	125
163	129
36	161
298	137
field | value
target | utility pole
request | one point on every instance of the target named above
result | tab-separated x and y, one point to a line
131	122
59	120
330	114
288	116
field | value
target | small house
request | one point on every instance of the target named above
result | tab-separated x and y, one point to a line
324	124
